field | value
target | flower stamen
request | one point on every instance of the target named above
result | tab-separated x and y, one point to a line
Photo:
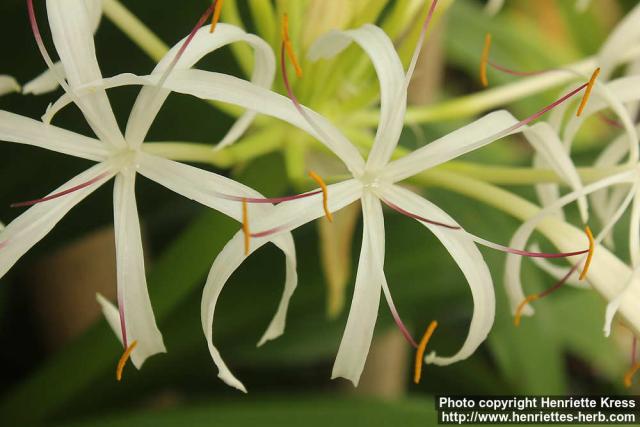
325	194
587	263
123	359
272	200
417	373
217	7
288	47
418	217
484	60
534	297
61	193
587	93
628	376
245	227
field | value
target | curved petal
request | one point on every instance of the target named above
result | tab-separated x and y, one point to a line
228	261
23	130
205	188
221	87
513	264
133	297
48	80
546	142
8	84
72	29
615	303
393	96
625	34
363	313
150	99
465	253
461	141
30	227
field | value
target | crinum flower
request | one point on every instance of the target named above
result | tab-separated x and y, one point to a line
373	183
123	157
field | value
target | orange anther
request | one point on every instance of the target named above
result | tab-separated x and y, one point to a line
523	304
628	376
484	60
325	194
123	359
587	263
288	46
587	92
417	373
216	15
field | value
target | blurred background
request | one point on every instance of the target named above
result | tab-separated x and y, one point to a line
58	355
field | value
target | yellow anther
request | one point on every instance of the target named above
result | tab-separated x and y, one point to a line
325	194
245	226
587	92
628	376
587	263
288	47
216	15
417	373
123	359
523	304
484	60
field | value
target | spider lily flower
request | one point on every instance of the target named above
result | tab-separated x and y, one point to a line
123	157
8	84
374	183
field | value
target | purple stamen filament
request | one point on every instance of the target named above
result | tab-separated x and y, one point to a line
420	218
272	200
62	193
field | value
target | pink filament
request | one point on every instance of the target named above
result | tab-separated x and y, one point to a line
123	322
611	122
634	344
399	323
420	218
270	231
272	200
559	283
62	193
519	73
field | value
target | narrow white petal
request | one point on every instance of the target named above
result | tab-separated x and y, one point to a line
8	84
72	23
615	303
30	227
547	143
519	241
626	33
45	82
23	130
634	231
205	188
461	141
356	339
393	96
224	88
465	253
151	99
133	296
225	264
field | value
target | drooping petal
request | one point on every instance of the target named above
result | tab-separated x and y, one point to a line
465	253
546	142
134	306
356	339
150	99
614	304
48	80
461	141
30	227
71	23
393	96
8	84
512	280
228	261
625	34
23	130
224	88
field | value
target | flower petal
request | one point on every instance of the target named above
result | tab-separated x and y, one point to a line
461	141
8	84
393	95
615	303
23	130
547	193
465	253
133	296
546	142
30	227
227	262
71	25
150	99
357	336
625	34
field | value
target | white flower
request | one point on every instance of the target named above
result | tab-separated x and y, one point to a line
123	157
374	182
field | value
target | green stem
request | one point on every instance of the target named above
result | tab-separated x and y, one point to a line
135	29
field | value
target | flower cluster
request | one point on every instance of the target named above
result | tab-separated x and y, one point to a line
374	181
